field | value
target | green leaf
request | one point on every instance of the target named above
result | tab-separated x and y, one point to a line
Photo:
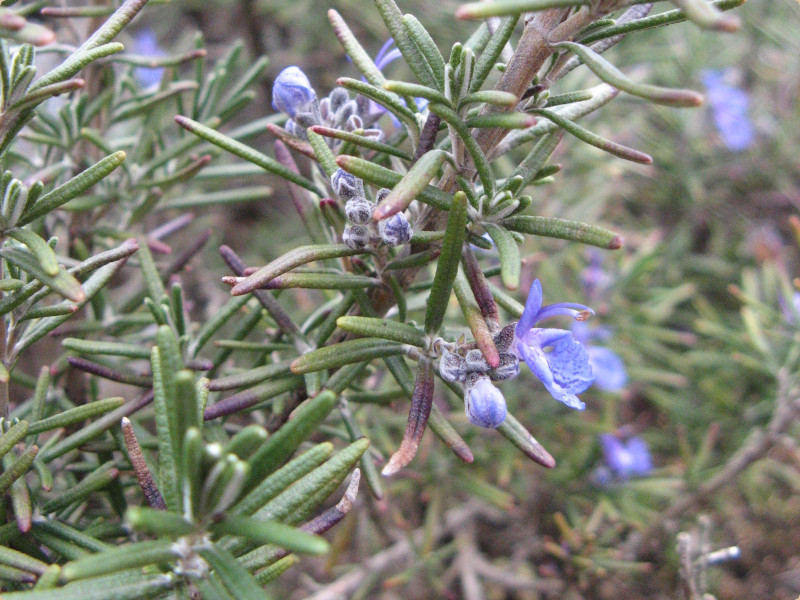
390	102
508	250
17	469
528	169
13	436
595	140
128	556
63	283
383	177
72	188
41	249
345	353
354	50
383	328
249	154
158	522
393	19
129	588
613	76
482	165
447	267
20	560
492	52
707	16
317	281
288	261
513	120
164	399
411	185
415	90
281	479
564	229
286	440
426	47
477	322
106	348
357	138
98	479
75	415
235	578
515	432
493	97
272	532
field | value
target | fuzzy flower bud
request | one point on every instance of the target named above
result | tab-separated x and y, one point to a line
396	230
475	362
507	369
452	367
359	210
356	237
484	404
346	185
292	92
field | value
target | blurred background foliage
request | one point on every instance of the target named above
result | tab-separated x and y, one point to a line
701	306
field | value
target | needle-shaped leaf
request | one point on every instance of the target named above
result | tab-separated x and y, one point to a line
492	51
247	153
426	46
449	116
596	140
508	250
592	235
411	185
418	414
314	281
272	532
345	353
707	16
354	50
613	76
447	267
477	322
72	188
75	415
129	556
415	90
41	249
288	261
357	138
383	328
383	177
62	282
496	8
393	19
530	166
515	432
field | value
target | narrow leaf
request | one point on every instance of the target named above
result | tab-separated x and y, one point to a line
564	229
411	185
447	267
383	328
508	250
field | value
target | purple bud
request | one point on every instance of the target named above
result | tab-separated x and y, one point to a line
356	237
452	367
359	210
396	230
346	185
475	361
484	404
507	369
292	92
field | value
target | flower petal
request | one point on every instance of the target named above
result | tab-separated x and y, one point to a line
485	405
608	368
570	309
292	92
532	306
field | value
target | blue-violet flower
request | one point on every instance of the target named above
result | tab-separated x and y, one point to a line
292	92
146	44
565	370
484	404
729	105
626	459
608	369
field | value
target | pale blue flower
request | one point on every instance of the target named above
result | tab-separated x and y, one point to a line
608	369
554	355
484	404
292	92
145	43
626	459
729	106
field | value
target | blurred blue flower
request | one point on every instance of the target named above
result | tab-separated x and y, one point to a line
387	55
594	277
485	405
608	369
292	92
729	106
626	459
565	369
145	43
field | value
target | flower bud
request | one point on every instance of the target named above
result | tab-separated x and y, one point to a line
359	210
338	97
452	367
396	230
343	113
382	193
354	122
507	369
356	237
484	404
292	92
503	339
475	362
346	185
